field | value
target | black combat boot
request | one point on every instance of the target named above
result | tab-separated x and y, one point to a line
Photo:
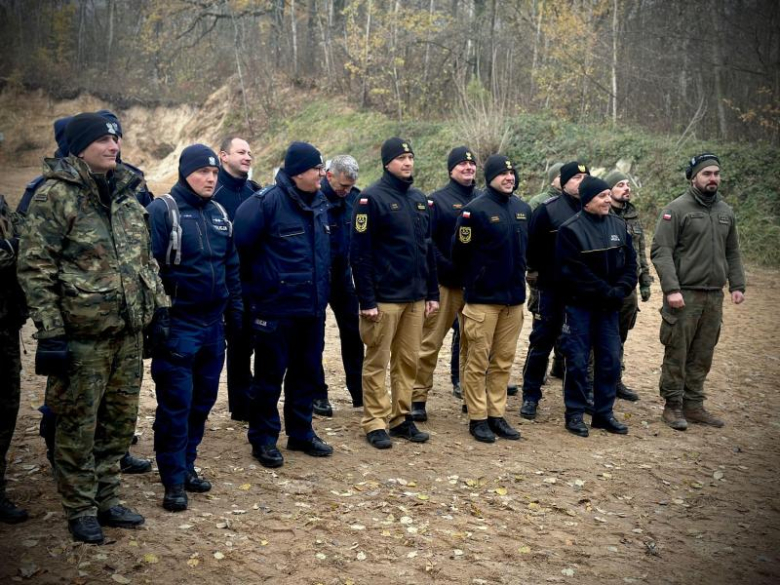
480	430
528	409
86	529
379	439
120	517
175	499
193	483
418	413
268	455
314	447
10	513
625	393
502	428
577	426
131	465
609	424
409	431
322	407
511	390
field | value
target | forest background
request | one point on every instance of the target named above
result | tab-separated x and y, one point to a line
644	82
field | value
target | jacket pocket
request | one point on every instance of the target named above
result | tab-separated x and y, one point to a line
91	303
296	288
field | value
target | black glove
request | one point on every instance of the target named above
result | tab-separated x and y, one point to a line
156	338
52	356
645	292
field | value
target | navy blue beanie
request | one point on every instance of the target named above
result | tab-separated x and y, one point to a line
196	157
570	169
59	136
111	117
590	187
458	155
84	129
300	157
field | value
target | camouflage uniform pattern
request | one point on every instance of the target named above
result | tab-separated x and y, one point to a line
13	314
630	307
86	267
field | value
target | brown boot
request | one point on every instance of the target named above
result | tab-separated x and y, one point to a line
673	416
696	414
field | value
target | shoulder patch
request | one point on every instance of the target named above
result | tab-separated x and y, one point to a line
363	201
467	214
457	205
361	222
464	234
430	203
421	206
494	219
551	199
667	217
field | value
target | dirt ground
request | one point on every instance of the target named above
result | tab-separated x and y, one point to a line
656	506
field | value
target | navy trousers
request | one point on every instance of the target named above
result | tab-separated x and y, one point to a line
186	378
287	351
344	303
585	330
544	333
239	369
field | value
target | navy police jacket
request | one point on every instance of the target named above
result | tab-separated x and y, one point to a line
206	283
340	221
542	230
489	248
597	261
233	191
446	205
283	240
391	250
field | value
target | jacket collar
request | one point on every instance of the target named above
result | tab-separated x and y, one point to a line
497	196
318	203
183	190
229	181
394	182
467	192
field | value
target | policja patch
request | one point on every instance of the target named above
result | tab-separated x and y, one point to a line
464	235
361	222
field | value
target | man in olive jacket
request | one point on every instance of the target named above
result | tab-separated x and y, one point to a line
695	252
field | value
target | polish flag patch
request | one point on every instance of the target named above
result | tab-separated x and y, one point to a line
430	203
363	200
467	214
667	217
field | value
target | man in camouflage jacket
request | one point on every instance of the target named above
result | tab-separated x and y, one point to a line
620	195
92	287
13	314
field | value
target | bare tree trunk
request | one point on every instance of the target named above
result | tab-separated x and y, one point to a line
614	59
294	31
716	51
110	40
428	48
366	53
539	7
80	47
237	52
393	50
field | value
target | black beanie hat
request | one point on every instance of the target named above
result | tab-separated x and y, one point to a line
700	161
194	157
59	135
84	129
111	117
393	148
590	187
458	155
570	169
497	164
300	157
